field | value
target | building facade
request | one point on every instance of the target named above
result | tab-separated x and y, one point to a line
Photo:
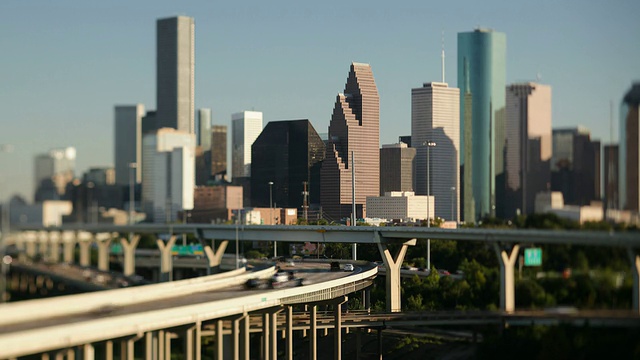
354	131
611	182
435	119
203	129
168	174
528	146
219	151
288	154
246	126
396	167
128	142
53	171
630	150
482	82
575	166
402	206
175	70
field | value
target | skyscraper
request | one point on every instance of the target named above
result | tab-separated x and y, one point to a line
630	150
528	146
128	142
435	118
246	126
575	166
396	168
53	171
175	66
482	82
204	129
168	173
219	151
354	129
287	153
611	181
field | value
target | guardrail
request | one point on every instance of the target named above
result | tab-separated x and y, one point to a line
33	310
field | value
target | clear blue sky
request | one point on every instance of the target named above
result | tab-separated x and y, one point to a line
65	64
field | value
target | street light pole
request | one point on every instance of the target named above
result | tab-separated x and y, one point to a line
453	194
275	248
132	195
428	144
5	229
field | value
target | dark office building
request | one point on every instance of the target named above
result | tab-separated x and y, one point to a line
286	153
396	168
629	175
611	183
575	166
219	151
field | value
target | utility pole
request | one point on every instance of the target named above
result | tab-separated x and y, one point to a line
353	202
305	200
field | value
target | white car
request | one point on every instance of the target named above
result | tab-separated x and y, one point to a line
348	267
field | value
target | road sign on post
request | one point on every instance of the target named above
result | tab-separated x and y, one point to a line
533	257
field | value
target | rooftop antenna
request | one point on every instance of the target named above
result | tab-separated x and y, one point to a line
442	56
538	76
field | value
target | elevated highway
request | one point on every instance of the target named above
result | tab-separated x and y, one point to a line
153	312
506	243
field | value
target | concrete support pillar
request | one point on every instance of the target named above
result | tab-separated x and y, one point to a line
166	260
104	245
635	271
273	338
192	342
507	278
108	350
246	338
127	348
68	243
235	336
129	252
43	244
219	340
289	333
380	343
54	247
85	240
313	332
337	330
155	345
31	239
88	352
266	335
392	266
215	256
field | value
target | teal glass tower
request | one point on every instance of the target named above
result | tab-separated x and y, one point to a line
482	83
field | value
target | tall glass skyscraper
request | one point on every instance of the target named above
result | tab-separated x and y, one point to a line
482	81
630	150
175	67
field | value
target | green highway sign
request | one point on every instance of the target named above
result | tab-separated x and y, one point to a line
533	257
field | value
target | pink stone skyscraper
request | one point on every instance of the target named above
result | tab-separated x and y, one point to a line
354	128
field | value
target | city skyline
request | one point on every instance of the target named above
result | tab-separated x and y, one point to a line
64	75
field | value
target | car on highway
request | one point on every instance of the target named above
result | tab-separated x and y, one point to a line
348	267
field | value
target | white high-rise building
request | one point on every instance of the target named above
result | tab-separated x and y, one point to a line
175	68
204	129
435	118
168	173
246	127
53	171
128	142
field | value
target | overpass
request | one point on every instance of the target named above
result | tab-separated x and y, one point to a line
157	313
506	244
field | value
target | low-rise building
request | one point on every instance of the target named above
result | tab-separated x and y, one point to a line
400	205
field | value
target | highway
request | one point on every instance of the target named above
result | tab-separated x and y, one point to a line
87	318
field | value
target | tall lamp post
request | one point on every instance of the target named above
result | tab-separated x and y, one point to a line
5	217
132	195
428	144
453	195
275	249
